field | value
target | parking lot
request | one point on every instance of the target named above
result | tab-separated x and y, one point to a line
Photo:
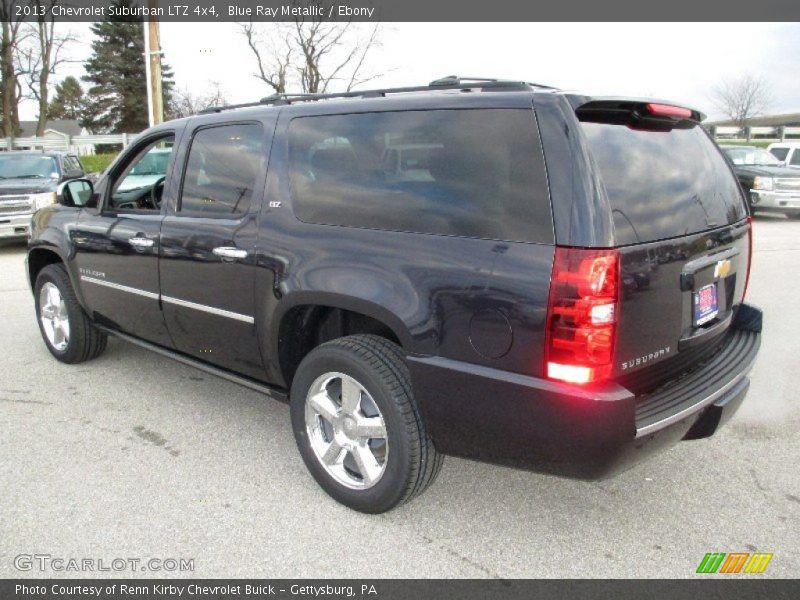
132	455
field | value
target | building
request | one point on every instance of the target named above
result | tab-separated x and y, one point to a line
766	127
58	134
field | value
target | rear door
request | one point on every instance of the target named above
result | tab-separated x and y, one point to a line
680	222
208	244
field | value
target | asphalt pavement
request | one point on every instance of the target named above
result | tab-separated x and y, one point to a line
133	456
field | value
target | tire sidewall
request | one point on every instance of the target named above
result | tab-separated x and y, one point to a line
49	274
391	487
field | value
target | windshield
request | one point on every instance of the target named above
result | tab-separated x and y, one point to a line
153	163
751	156
31	166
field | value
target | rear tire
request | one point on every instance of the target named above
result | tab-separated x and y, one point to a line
793	216
357	426
66	330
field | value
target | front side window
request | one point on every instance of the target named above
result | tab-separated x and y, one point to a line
139	185
469	173
221	171
780	153
795	158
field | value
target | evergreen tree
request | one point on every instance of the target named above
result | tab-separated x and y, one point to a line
117	98
68	102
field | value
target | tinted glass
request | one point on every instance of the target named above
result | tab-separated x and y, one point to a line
795	158
222	169
780	153
663	184
473	173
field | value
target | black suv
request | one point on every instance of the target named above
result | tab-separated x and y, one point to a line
29	181
483	268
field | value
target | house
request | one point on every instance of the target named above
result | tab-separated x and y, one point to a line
58	134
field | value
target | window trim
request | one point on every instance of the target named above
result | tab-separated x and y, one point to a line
195	214
539	145
136	150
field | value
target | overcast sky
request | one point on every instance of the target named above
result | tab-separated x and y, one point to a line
674	61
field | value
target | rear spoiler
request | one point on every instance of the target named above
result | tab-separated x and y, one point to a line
638	113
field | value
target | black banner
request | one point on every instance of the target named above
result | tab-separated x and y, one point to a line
407	10
716	586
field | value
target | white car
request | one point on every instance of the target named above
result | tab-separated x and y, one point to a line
786	152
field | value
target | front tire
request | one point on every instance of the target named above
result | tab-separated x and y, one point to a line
66	330
357	426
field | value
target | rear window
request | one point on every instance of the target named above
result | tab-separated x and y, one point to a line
471	173
663	184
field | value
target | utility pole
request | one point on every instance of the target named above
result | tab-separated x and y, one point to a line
155	97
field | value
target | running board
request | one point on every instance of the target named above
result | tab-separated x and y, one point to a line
270	391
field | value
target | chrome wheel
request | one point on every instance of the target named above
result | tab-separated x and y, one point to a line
53	315
346	430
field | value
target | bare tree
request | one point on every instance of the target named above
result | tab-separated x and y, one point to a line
742	98
186	104
39	59
10	88
317	55
273	61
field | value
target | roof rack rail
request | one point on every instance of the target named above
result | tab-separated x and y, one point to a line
451	82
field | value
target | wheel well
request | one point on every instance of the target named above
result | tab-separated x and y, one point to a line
38	259
305	327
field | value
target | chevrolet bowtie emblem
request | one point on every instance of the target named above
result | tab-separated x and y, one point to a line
722	268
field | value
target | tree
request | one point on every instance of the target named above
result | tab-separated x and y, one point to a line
68	102
186	104
317	55
742	98
117	99
40	58
10	90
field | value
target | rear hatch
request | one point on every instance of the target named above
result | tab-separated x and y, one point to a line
682	232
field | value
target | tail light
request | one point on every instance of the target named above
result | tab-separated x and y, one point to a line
749	255
667	110
582	315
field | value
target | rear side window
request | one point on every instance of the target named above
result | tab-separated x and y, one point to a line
795	158
471	173
780	153
221	172
663	184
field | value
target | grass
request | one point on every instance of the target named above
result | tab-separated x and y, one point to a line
97	163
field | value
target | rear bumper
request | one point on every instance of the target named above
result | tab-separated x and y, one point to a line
15	226
536	424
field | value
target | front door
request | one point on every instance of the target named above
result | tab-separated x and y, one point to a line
208	241
117	244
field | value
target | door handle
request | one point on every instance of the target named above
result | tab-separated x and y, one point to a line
229	253
141	242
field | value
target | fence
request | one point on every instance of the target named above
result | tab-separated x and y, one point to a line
79	144
766	134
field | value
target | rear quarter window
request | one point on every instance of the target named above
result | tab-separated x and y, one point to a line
470	173
663	184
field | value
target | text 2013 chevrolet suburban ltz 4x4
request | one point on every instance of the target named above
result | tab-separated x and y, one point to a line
482	268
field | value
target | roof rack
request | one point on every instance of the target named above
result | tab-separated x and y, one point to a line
451	82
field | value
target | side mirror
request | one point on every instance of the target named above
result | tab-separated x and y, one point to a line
76	192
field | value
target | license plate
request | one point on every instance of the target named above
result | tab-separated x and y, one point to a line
705	304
